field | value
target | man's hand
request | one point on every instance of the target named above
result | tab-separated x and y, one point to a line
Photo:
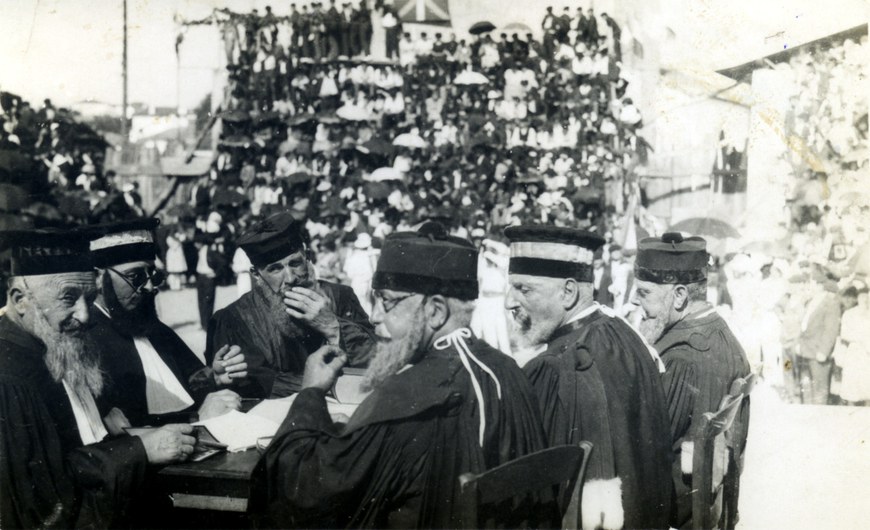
314	308
168	444
322	367
219	403
229	364
115	421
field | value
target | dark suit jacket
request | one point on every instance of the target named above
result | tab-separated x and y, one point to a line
823	328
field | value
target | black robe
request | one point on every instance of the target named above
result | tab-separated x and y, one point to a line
125	377
396	464
47	478
276	357
702	357
597	381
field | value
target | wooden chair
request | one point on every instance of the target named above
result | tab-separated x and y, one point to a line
735	439
563	466
710	463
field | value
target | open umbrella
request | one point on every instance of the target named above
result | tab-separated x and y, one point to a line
228	197
376	146
44	211
469	77
298	178
353	113
517	27
328	118
410	140
377	190
12	198
235	116
181	210
705	226
302	119
384	173
483	26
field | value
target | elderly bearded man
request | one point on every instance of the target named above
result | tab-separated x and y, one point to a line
58	466
701	355
595	377
443	403
153	377
288	314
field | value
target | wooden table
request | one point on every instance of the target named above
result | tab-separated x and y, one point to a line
221	482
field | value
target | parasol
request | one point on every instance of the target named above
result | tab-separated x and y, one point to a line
410	140
705	226
353	113
469	77
384	173
483	26
376	146
517	27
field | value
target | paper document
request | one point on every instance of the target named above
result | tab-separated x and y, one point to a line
239	431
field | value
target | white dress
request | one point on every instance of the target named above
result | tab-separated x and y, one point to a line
856	358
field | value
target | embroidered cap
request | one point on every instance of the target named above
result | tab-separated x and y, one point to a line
124	242
552	251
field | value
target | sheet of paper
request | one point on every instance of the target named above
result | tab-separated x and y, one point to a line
239	431
273	409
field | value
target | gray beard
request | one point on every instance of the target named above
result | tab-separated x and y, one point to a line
393	355
652	328
73	358
278	312
528	332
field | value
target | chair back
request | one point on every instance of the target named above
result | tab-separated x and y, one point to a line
735	438
562	466
710	461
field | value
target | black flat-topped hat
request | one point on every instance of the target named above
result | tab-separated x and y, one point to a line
273	238
552	251
47	251
123	242
671	259
428	261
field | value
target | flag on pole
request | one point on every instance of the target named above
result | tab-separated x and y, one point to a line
428	11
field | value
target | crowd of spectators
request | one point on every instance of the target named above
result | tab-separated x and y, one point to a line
823	250
479	134
52	169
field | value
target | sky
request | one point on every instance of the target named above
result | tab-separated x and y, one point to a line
70	50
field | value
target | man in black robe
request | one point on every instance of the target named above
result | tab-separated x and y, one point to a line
152	376
287	314
58	466
595	377
702	356
443	403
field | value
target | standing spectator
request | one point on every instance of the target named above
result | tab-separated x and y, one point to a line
855	357
819	329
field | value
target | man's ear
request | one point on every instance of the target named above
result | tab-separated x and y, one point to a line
681	297
569	293
19	300
437	311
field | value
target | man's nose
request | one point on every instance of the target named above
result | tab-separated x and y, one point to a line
377	314
82	310
510	302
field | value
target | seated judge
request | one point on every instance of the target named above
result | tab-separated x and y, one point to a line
594	376
152	377
288	314
59	467
442	403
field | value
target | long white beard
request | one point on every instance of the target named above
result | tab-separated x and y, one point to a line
392	355
69	357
